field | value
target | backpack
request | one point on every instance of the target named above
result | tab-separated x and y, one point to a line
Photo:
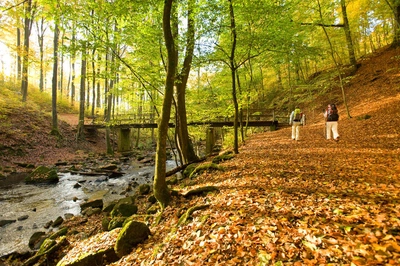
332	113
297	115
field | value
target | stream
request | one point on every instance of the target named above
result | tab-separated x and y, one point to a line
33	206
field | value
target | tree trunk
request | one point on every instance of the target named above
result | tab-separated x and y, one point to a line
184	142
93	82
19	70
233	78
41	31
347	32
80	131
54	130
73	56
396	23
25	57
161	191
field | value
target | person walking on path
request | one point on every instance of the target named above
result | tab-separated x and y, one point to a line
332	117
296	120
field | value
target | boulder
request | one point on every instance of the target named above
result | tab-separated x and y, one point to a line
36	240
95	250
125	207
131	234
96	203
42	174
144	189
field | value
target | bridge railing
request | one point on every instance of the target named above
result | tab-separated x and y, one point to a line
148	118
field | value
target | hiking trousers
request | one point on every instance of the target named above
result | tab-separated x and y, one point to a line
296	130
332	128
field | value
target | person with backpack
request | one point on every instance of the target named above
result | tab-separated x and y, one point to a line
296	121
332	117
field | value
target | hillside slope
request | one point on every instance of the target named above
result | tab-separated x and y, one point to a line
25	138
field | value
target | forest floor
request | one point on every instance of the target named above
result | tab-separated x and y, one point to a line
307	202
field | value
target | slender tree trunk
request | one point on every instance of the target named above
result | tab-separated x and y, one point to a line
19	53
61	81
25	57
233	78
161	191
98	99
80	131
93	82
73	58
54	130
184	142
41	31
109	105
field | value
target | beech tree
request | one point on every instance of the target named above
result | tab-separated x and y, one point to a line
184	143
161	191
28	21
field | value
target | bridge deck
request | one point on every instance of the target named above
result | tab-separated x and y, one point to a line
210	124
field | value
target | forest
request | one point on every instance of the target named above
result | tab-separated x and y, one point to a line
118	57
185	61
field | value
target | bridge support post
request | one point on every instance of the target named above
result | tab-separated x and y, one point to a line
210	140
124	139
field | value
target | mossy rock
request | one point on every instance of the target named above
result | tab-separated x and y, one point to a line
116	222
124	207
144	189
96	203
109	206
36	240
124	210
105	222
96	250
42	174
132	233
172	180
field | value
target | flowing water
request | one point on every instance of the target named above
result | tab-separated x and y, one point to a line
33	206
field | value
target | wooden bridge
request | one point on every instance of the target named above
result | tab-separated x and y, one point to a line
256	119
124	124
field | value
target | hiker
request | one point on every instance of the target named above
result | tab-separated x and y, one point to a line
331	118
296	121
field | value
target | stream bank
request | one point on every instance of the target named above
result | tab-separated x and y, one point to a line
28	208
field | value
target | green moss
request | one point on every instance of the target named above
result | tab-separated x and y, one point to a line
222	157
42	174
205	167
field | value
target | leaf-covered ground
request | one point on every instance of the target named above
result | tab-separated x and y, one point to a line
307	202
310	202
